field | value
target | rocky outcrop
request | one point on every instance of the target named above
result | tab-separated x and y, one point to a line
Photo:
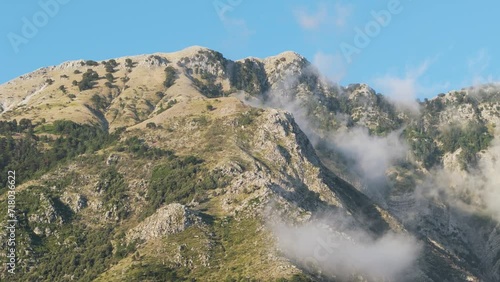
169	219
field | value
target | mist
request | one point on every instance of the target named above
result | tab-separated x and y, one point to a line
371	155
328	245
477	190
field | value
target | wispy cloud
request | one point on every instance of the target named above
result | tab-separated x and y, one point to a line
330	65
477	66
309	20
236	27
324	14
342	13
479	62
404	91
327	245
372	155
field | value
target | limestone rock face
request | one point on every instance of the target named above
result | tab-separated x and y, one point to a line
169	219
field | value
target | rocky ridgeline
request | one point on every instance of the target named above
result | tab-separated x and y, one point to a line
169	219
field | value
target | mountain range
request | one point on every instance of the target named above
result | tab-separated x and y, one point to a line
188	166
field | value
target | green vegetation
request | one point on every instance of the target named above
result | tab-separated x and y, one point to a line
471	138
77	250
171	103
88	80
110	77
154	272
99	102
180	179
247	118
114	191
63	89
34	154
249	76
209	88
91	63
423	145
110	66
140	149
129	63
170	76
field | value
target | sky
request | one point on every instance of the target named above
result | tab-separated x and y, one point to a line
414	49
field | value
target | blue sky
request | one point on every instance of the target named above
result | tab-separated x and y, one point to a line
399	47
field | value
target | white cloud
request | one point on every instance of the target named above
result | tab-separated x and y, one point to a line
330	65
372	155
311	20
342	13
337	15
477	65
327	246
404	91
479	62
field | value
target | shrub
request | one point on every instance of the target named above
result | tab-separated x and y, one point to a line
210	89
210	107
151	125
125	79
91	63
171	103
110	77
129	63
88	80
98	101
77	72
170	76
160	94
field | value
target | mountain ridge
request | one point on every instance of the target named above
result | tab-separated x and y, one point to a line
257	140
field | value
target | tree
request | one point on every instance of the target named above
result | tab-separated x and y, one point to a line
159	94
129	63
91	63
110	77
151	125
170	76
88	80
98	101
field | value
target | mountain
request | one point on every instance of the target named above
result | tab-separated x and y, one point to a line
188	166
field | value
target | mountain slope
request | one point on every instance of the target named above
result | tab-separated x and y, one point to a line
182	165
